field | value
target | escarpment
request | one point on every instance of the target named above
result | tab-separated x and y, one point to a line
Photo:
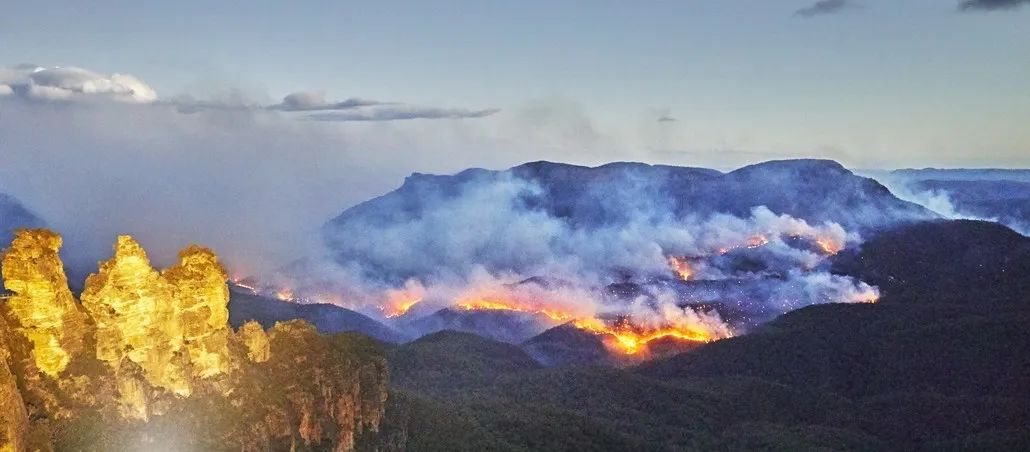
148	355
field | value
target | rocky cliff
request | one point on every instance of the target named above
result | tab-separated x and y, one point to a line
147	361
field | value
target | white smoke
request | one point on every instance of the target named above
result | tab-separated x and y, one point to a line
486	243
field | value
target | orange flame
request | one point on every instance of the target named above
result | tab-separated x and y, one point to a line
500	305
756	241
828	245
284	294
631	339
399	306
249	287
622	335
681	267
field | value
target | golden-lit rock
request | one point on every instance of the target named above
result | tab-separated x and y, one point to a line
42	307
133	308
131	394
201	310
153	349
14	422
256	341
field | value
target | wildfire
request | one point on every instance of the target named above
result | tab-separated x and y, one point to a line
397	308
756	241
828	245
284	294
499	305
681	267
631	339
239	283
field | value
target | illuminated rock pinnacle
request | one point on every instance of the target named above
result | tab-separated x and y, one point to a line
42	306
256	340
133	308
201	309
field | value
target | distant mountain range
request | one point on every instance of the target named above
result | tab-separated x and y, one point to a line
555	201
244	306
15	215
1001	195
942	362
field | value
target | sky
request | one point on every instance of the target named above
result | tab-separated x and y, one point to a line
298	110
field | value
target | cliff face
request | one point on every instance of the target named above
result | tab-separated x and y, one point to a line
133	308
14	423
42	308
149	355
200	310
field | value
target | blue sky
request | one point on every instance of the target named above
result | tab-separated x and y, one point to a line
750	75
200	126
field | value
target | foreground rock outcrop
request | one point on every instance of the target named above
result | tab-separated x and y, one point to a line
148	361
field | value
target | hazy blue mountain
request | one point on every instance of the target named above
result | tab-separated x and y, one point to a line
14	215
327	318
1001	195
501	207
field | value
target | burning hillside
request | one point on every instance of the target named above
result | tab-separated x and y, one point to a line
712	279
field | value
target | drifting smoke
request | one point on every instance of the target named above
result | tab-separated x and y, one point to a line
98	155
108	158
487	246
1001	196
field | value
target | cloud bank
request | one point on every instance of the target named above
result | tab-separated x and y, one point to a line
991	5
823	7
72	84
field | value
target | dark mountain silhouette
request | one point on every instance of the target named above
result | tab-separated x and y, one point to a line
932	366
966	262
14	215
327	318
452	361
583	198
566	344
505	326
1002	195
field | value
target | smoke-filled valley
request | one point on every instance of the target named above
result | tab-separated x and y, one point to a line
557	226
632	252
783	302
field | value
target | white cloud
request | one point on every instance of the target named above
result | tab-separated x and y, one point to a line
70	84
73	84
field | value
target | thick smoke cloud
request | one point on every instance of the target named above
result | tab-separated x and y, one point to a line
252	183
991	5
823	7
255	184
487	241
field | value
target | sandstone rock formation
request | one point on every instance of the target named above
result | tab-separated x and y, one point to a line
133	308
200	299
42	307
147	350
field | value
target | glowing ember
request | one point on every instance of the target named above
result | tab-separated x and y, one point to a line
682	268
284	294
498	305
630	339
396	308
828	245
868	297
240	283
756	241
